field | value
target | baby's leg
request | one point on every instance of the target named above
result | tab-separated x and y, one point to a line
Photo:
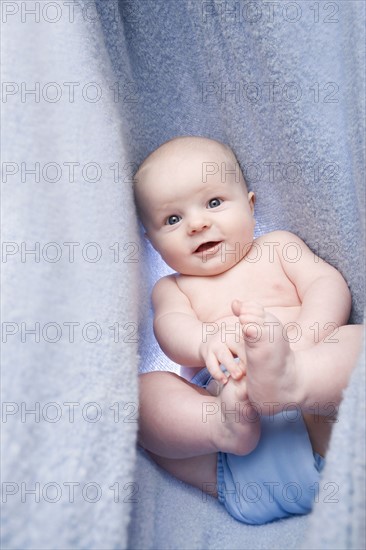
272	376
313	378
315	375
199	471
325	371
180	420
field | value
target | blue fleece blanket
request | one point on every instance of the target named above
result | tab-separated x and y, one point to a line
284	90
282	84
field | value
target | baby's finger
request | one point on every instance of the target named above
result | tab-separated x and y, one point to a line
226	358
239	351
213	367
241	364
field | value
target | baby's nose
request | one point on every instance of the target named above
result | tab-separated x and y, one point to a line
199	224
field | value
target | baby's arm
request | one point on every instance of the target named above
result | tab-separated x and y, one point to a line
325	297
181	334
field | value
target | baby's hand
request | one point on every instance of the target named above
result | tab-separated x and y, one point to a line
220	349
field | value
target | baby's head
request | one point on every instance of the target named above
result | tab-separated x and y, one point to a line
193	202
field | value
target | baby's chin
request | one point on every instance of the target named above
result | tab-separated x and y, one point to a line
204	270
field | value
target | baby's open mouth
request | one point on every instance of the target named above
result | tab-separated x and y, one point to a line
206	246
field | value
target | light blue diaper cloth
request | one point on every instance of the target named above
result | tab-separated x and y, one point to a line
280	478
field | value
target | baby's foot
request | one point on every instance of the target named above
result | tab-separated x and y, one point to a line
237	426
271	368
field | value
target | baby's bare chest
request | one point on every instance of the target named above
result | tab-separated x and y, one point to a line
263	282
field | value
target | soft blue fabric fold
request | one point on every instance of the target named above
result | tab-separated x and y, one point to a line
285	89
286	93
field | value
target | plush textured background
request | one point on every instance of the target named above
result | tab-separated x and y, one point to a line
165	56
104	292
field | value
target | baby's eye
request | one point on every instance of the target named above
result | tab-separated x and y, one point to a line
214	203
172	220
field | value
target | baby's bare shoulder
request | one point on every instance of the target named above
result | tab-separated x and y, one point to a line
168	282
168	287
167	296
278	236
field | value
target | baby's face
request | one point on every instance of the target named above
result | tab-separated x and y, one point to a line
197	215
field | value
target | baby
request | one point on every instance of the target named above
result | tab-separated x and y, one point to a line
264	319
